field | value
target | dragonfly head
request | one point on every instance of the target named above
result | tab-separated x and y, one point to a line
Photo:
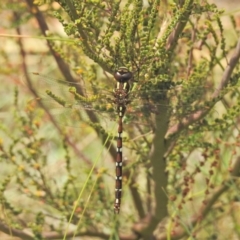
123	75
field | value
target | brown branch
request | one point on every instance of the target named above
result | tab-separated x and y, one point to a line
54	235
15	232
24	67
174	36
63	67
138	203
185	122
191	50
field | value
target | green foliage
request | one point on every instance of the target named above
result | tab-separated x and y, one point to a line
181	128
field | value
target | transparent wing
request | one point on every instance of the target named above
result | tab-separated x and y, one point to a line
70	102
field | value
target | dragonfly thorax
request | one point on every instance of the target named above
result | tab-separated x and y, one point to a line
123	75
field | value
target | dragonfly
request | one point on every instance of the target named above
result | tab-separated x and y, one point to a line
122	97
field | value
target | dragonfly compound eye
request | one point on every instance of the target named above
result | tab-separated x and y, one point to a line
123	75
